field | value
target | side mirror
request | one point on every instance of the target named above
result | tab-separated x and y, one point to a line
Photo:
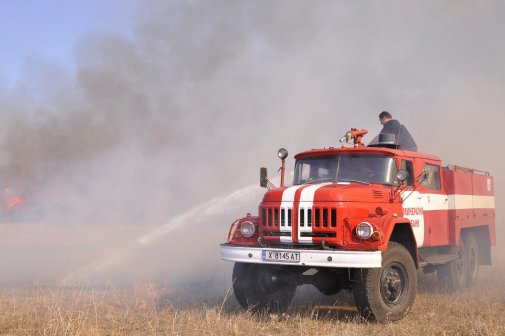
402	175
263	177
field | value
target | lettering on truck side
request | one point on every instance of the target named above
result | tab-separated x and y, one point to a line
412	214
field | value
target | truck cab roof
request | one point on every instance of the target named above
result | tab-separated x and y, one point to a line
363	150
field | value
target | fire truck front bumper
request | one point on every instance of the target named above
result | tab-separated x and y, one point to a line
301	257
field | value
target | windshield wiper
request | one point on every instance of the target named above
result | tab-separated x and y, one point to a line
356	181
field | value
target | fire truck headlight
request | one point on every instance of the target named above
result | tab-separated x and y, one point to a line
247	229
364	230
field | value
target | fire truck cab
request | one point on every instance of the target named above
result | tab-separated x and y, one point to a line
363	219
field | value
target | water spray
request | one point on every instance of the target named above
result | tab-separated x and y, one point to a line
218	205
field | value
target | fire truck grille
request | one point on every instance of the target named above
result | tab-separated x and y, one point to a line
317	217
286	217
270	217
307	217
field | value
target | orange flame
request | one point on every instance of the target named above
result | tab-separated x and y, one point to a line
11	202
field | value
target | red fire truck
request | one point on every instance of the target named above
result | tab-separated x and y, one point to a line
363	219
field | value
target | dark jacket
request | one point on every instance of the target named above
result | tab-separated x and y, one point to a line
403	138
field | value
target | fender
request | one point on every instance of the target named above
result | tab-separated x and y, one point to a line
400	230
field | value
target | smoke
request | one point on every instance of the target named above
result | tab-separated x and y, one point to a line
151	127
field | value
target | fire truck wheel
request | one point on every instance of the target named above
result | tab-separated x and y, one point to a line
452	276
387	293
263	287
472	259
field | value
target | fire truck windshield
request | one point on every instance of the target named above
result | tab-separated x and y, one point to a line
359	168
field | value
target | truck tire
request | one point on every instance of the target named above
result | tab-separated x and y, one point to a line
452	276
263	287
387	293
472	259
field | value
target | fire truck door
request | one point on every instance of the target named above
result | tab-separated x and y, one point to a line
413	209
413	203
433	204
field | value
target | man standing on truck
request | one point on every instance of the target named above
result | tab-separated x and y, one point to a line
392	126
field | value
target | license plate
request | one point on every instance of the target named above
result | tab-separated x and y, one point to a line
279	256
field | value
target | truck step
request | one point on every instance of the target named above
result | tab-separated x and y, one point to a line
436	259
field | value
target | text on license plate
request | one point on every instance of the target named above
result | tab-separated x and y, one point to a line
292	257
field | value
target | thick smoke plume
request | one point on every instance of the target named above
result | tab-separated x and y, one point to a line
152	128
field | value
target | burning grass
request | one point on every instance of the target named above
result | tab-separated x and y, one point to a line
147	310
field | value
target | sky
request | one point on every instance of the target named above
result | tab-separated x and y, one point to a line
147	122
49	30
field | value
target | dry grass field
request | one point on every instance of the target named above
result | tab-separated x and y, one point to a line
148	310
